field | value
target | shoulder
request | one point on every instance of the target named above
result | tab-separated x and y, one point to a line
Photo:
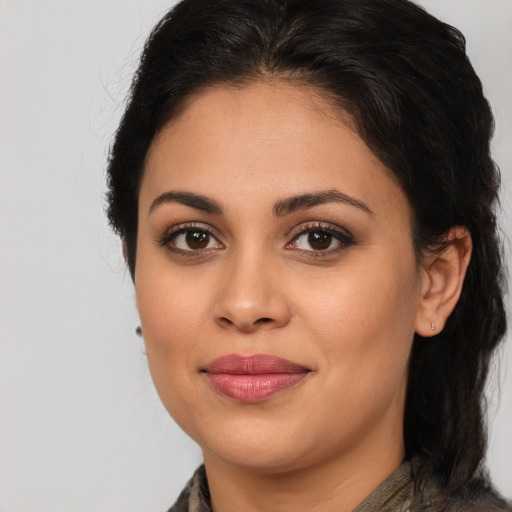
486	499
477	497
195	497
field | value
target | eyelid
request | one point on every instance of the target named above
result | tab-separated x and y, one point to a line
320	226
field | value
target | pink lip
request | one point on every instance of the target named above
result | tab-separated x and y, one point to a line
252	379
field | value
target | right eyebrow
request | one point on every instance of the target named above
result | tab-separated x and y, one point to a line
196	201
304	201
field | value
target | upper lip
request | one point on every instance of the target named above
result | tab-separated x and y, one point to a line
255	364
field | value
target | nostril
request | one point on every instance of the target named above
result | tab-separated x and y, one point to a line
263	320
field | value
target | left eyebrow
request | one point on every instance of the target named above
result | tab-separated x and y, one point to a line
190	199
304	201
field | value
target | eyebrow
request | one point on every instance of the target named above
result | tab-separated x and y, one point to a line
281	208
196	201
304	201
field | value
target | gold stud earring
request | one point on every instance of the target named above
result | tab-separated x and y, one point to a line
433	326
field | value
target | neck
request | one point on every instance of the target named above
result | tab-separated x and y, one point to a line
338	483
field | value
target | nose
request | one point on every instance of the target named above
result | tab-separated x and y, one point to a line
251	296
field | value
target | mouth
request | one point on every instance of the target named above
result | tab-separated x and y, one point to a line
255	378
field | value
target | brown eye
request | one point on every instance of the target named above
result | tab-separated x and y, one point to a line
191	240
319	240
197	239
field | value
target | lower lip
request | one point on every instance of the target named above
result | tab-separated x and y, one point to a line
253	388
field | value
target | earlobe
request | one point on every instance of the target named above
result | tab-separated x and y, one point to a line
443	276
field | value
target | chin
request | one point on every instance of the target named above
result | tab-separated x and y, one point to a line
259	446
256	459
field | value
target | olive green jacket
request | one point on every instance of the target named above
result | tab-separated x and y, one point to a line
397	494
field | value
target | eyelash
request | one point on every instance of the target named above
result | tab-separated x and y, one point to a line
342	236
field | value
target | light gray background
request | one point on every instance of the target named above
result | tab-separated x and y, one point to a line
81	427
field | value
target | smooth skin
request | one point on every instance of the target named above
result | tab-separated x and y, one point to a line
227	263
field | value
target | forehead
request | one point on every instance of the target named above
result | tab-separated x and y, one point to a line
278	138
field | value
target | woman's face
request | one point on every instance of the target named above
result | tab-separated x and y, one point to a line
276	281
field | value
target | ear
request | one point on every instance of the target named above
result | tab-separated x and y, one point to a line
442	280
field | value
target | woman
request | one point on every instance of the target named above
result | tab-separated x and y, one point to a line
306	200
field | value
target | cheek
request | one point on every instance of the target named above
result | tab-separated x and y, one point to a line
171	318
365	334
172	314
364	319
